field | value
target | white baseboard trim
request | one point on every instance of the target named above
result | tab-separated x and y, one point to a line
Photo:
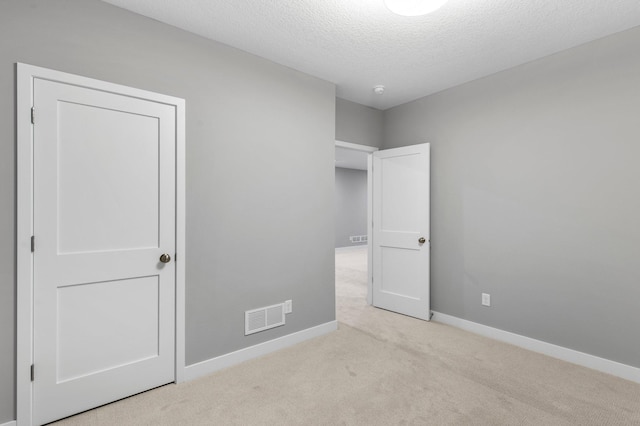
351	248
212	365
11	423
575	357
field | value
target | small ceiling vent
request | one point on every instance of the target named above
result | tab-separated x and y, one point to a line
263	318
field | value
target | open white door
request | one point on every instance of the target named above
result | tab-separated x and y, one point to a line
104	216
401	234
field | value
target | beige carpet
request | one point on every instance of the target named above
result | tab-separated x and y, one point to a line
381	368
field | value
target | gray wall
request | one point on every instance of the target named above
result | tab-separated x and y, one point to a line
259	135
536	196
350	206
358	124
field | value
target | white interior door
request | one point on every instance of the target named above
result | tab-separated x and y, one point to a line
400	240
104	213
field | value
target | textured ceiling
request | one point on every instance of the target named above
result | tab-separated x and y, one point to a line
357	44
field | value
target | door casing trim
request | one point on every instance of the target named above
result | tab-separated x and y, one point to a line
25	74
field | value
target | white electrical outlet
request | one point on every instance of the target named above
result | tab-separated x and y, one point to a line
288	307
486	299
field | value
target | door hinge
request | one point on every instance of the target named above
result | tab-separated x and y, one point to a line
33	115
33	373
33	244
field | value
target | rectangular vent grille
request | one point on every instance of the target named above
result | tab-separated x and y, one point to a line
358	239
263	318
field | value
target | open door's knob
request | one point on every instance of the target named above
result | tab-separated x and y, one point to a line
165	258
421	240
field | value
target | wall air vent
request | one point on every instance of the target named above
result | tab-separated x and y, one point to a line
262	319
358	239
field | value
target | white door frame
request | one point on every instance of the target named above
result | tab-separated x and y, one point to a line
369	150
25	74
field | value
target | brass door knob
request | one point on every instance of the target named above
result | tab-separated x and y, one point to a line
421	240
165	258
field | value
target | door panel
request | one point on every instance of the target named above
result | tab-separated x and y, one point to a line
86	173
104	212
105	325
401	180
400	216
396	262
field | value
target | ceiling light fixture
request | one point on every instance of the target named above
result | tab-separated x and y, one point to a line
413	7
379	89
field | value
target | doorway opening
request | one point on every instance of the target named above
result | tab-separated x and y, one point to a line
352	228
396	229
